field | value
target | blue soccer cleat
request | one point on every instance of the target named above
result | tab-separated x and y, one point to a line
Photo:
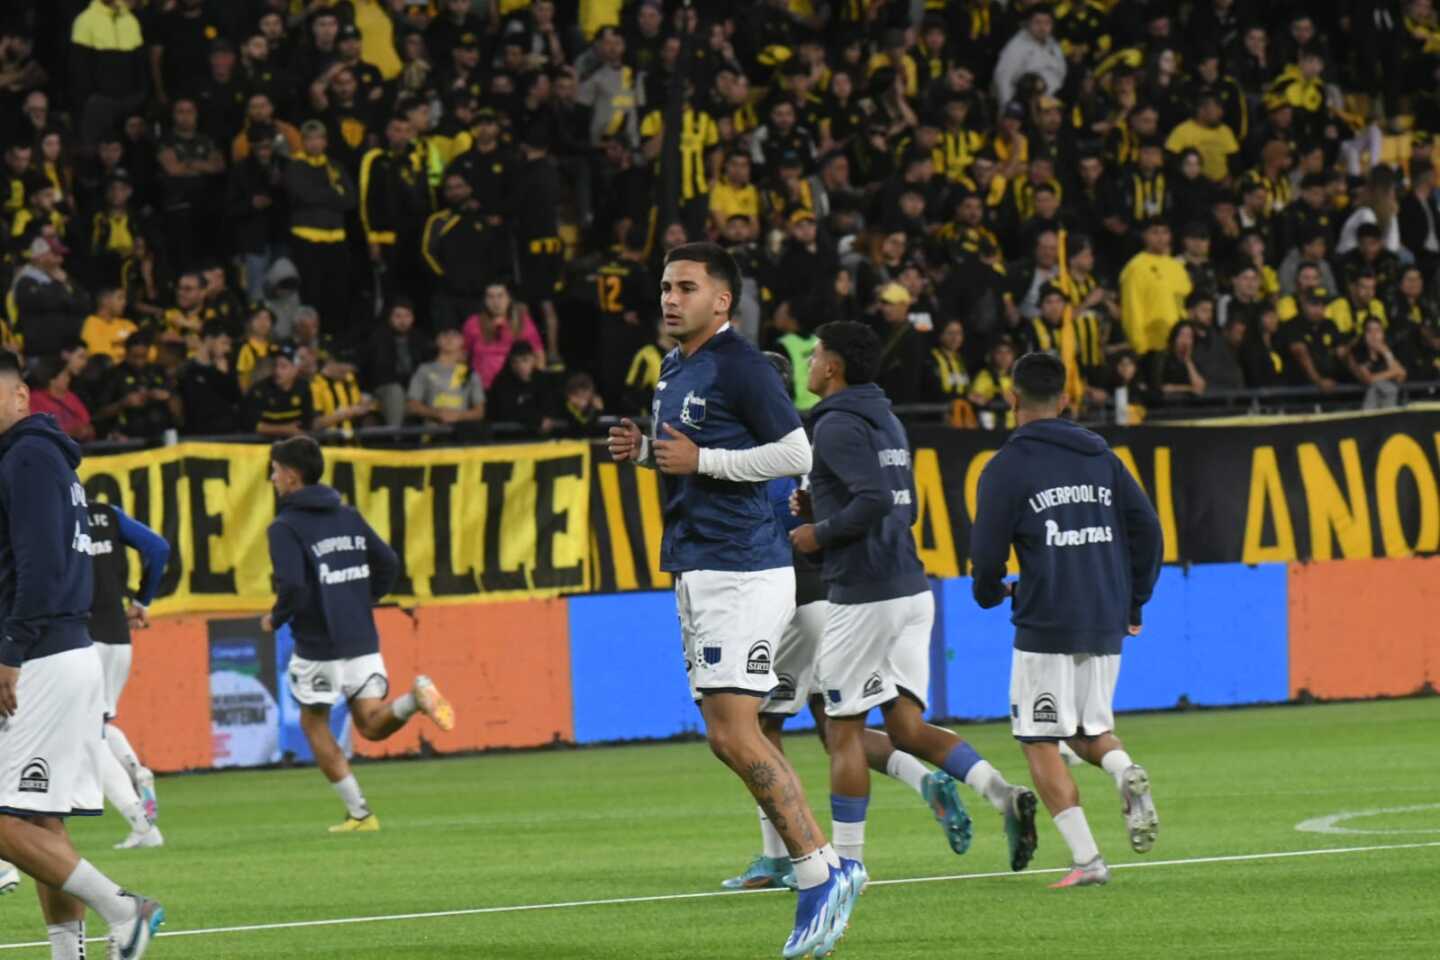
855	877
130	940
817	914
763	873
943	798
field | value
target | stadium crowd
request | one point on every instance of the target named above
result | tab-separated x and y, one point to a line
276	216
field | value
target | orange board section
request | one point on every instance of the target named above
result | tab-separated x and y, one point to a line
505	667
165	709
1364	628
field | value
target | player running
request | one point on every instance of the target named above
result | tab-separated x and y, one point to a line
330	570
127	783
876	647
797	685
1089	546
724	425
52	693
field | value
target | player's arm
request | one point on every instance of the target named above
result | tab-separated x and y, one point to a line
779	491
1144	538
36	509
287	558
766	409
844	444
384	564
990	537
154	553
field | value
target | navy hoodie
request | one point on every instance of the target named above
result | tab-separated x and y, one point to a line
862	489
46	572
1087	538
330	570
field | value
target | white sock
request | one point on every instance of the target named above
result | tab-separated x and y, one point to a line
404	707
831	857
67	940
849	839
772	844
1115	763
120	746
985	780
909	771
1075	830
100	893
1068	754
350	795
812	869
120	791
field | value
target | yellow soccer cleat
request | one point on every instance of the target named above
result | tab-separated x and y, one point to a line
369	824
433	704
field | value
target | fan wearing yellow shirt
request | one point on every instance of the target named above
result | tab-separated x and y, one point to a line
698	134
1358	307
733	195
1153	288
257	346
335	394
1210	135
994	383
106	330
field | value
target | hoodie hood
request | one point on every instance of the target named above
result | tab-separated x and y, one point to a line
865	400
1062	433
41	425
317	499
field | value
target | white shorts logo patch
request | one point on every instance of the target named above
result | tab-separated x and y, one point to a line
1044	710
35	777
784	688
873	686
758	659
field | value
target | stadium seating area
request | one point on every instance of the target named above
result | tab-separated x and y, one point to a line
276	216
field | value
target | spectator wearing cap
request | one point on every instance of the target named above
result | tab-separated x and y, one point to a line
461	251
1314	347
1419	218
180	49
107	66
904	355
255	205
1011	145
807	256
1031	50
490	167
446	390
1153	288
394	205
189	160
1359	305
320	194
50	393
106	330
49	306
136	401
260	114
210	393
281	405
455	19
607	87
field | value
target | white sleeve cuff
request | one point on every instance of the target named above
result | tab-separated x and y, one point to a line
787	457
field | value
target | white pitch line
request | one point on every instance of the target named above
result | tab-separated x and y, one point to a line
708	894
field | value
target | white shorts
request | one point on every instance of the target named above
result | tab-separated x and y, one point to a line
730	625
49	749
1055	696
873	652
326	682
797	665
115	665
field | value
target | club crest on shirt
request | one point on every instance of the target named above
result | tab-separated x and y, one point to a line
692	410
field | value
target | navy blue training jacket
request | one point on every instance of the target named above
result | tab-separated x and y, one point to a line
330	569
862	490
46	572
1087	538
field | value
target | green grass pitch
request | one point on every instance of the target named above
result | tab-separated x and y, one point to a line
247	849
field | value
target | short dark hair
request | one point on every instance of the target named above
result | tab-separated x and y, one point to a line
719	264
10	363
1039	379
301	454
854	343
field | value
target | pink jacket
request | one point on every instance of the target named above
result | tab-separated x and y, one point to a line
487	358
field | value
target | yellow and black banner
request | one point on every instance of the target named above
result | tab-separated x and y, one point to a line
1249	492
468	523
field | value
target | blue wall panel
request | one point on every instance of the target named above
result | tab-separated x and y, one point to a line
1215	634
627	668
